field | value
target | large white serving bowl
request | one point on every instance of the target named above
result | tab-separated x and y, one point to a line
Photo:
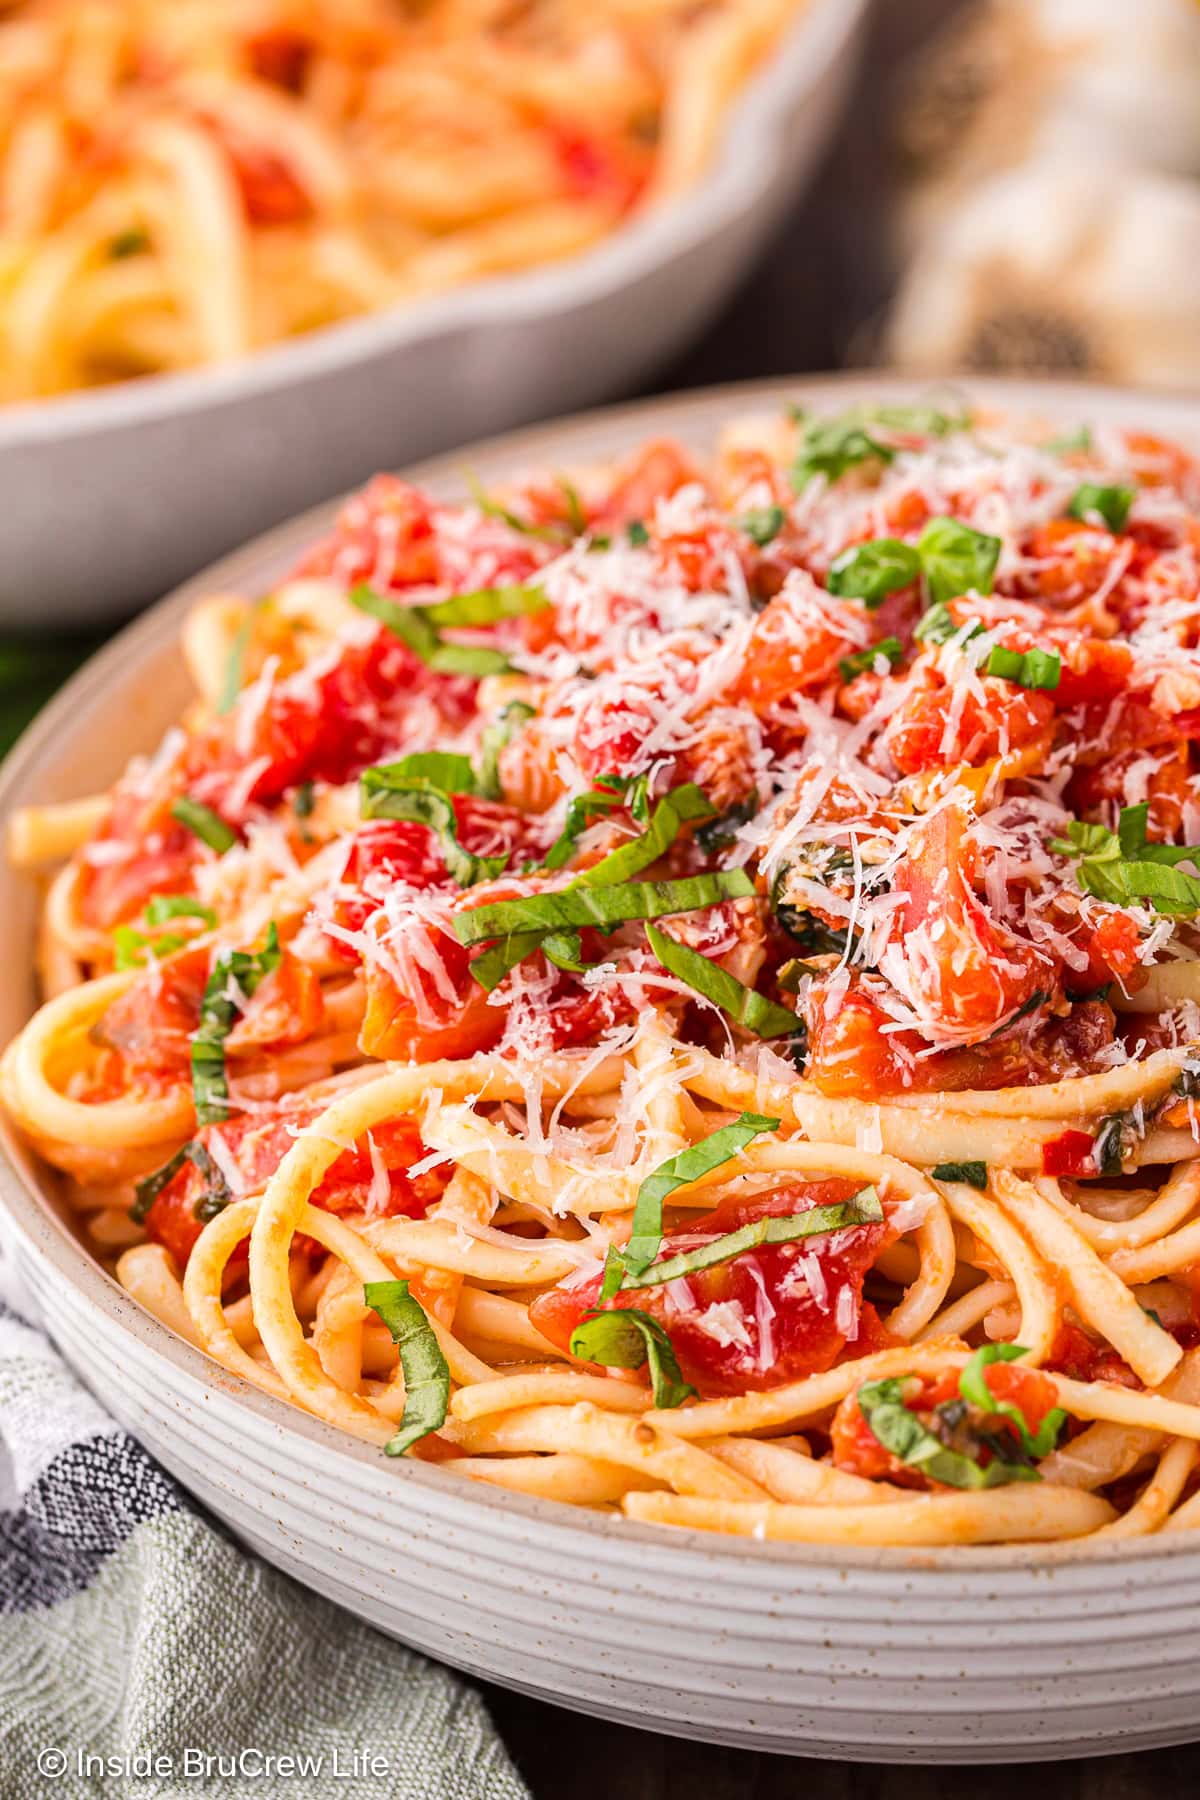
111	496
937	1656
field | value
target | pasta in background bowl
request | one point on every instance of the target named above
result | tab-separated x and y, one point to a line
752	1642
474	211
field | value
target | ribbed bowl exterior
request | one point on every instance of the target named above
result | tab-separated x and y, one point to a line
950	1656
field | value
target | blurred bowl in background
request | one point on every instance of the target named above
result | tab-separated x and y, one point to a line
113	495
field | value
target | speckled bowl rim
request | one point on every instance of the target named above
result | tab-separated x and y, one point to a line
742	167
35	1214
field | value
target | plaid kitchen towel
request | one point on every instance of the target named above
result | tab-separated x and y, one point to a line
142	1653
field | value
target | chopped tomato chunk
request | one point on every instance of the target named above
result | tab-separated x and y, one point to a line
965	973
857	1450
941	723
762	1318
373	1177
152	1022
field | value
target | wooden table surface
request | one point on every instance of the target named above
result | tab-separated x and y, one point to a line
812	303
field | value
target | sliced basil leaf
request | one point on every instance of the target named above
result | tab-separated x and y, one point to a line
681	804
956	560
426	1371
601	907
234	973
1028	668
132	242
304	799
1121	867
204	824
217	1194
563	949
493	739
935	625
387	792
1111	504
974	1174
974	1389
233	674
494	509
831	446
1078	439
637	534
862	1209
1106	1150
491	966
576	516
624	1338
486	606
675	809
749	1009
862	660
697	1160
132	947
443	769
870	572
213	1200
894	1425
161	907
1187	1082
762	523
792	972
716	833
921	418
414	629
596	803
146	1191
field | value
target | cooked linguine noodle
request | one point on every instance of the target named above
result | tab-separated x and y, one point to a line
677	989
183	181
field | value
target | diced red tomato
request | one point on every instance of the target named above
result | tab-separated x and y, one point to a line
757	1320
1111	941
939	723
653	473
139	850
384	536
272	193
285	1008
1162	776
967	972
452	1016
857	1450
852	1053
1076	1353
152	1022
322	727
1071	560
388	852
350	1184
1071	1153
797	643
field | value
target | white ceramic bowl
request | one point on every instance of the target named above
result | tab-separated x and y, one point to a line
110	496
951	1656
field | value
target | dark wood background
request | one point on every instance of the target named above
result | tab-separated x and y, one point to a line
812	303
